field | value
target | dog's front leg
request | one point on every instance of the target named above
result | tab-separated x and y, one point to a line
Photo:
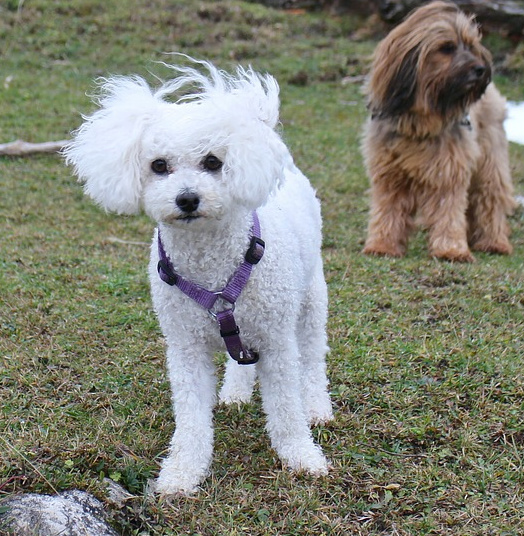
391	216
287	423
445	214
193	384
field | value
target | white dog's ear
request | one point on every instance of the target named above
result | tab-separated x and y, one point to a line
257	157
105	149
255	163
264	100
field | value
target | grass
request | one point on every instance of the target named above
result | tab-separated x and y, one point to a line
426	357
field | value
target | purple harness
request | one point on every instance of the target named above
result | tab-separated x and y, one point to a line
229	329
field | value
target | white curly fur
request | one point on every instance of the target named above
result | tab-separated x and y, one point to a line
282	310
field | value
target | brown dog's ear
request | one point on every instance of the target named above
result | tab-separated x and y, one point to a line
398	87
487	59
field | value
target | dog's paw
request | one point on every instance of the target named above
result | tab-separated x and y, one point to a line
168	486
454	255
235	394
305	459
319	418
230	399
314	467
320	412
179	477
382	249
502	247
165	493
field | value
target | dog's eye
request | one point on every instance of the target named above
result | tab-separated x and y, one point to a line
448	48
211	163
159	166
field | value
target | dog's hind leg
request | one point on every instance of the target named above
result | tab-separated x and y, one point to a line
193	389
287	424
489	205
239	381
491	192
312	341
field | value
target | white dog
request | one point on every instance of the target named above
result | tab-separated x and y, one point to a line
200	167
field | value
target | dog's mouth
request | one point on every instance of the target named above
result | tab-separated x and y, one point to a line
181	219
189	217
477	85
462	91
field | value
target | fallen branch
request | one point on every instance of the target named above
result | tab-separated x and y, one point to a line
127	242
23	148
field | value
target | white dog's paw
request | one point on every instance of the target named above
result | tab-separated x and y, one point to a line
305	460
168	485
317	403
319	415
230	396
175	480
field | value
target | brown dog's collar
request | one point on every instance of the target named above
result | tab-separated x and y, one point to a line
465	122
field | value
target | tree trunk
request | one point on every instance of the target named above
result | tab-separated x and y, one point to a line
500	15
505	14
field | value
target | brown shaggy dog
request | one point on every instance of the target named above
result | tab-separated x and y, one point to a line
434	146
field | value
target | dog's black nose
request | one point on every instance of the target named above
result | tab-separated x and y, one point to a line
187	201
479	70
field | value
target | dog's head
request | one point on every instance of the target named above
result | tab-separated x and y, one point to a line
431	64
211	152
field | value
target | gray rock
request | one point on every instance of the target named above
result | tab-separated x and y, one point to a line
116	494
72	513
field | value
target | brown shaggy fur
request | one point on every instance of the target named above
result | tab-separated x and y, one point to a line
434	146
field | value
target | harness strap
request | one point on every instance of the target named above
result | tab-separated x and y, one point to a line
229	330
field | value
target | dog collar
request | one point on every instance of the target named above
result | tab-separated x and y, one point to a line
466	122
207	299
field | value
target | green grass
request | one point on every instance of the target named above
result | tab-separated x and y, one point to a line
426	361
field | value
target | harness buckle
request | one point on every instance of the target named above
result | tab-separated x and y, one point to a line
166	273
255	250
466	122
213	311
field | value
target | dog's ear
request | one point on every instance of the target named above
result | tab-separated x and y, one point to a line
487	60
268	103
255	163
105	149
256	155
401	92
393	87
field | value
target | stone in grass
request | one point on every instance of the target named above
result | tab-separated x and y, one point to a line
68	514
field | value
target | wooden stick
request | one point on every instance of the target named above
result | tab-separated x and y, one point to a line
23	148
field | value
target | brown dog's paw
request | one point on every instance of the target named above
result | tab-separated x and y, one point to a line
454	255
381	249
502	247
